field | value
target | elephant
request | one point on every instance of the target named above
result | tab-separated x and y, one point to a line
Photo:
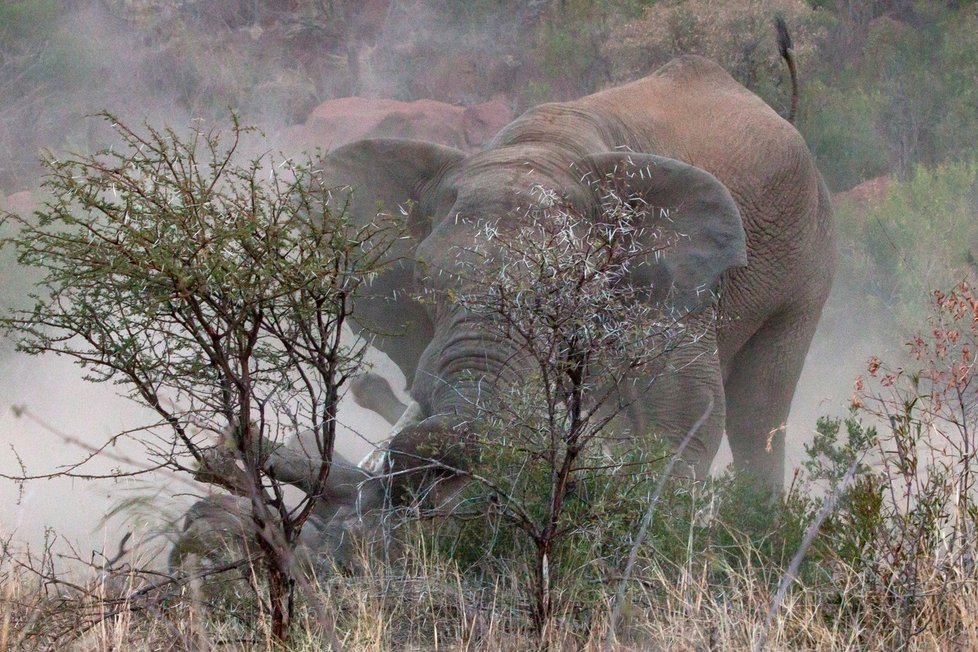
214	525
218	528
374	392
757	227
761	232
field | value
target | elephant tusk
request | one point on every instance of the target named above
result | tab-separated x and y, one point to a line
411	417
375	461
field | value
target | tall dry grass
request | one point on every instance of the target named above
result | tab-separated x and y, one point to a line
426	604
873	548
422	601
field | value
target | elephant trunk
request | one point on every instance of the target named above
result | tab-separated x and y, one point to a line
459	378
459	383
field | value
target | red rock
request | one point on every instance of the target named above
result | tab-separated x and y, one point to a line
866	193
21	203
482	121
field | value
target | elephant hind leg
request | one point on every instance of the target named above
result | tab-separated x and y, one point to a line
760	384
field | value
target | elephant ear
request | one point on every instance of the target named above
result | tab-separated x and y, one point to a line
404	177
391	172
690	219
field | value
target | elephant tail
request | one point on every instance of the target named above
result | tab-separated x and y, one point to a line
787	53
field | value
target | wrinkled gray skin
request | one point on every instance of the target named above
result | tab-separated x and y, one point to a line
216	526
374	392
739	181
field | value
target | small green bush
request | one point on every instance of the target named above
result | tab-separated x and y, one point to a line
720	531
858	518
840	127
923	235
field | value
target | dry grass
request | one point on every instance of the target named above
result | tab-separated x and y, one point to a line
422	602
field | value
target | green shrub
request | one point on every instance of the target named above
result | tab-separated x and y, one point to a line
858	518
923	235
840	127
895	89
720	531
904	532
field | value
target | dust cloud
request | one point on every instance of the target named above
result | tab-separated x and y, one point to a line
50	419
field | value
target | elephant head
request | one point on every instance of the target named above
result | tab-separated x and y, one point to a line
445	198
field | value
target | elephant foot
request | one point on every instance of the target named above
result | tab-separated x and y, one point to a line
373	392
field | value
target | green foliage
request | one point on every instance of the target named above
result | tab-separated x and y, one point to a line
536	92
561	52
840	127
213	292
143	251
16	283
899	537
755	528
922	235
858	519
956	132
926	73
828	458
904	530
718	531
893	90
601	510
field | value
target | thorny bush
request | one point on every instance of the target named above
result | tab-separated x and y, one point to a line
558	454
909	525
215	293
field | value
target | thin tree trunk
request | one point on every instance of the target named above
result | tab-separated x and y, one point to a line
281	589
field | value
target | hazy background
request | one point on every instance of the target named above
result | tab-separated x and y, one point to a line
889	107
